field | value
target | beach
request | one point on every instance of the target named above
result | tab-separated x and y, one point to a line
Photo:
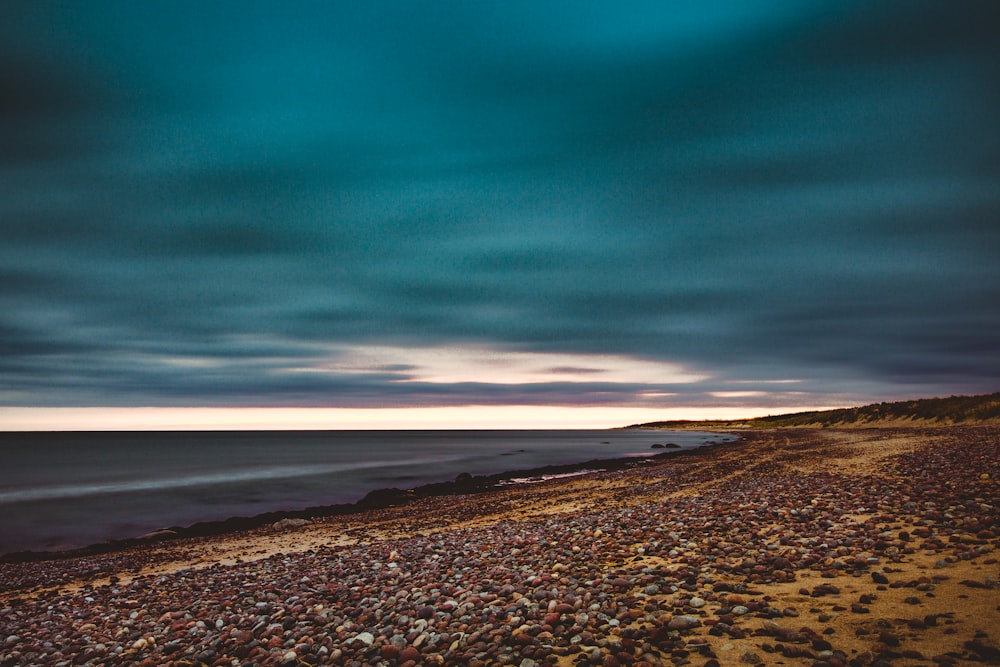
791	546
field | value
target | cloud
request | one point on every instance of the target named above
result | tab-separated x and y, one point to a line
721	194
463	364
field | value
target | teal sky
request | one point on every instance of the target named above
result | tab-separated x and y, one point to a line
401	204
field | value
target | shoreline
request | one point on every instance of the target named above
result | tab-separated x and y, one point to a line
381	498
833	548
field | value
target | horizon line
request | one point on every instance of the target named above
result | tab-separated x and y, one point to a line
473	417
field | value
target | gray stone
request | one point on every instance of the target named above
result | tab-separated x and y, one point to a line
365	638
683	623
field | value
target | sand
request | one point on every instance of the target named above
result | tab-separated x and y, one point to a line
812	547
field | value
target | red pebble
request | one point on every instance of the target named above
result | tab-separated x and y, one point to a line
409	653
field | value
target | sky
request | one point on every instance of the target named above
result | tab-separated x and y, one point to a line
363	214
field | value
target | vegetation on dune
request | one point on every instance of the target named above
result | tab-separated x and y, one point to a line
926	411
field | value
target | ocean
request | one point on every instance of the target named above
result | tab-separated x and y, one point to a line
66	490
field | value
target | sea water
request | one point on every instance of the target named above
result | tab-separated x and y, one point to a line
67	490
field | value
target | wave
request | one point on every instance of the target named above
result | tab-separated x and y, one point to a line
273	473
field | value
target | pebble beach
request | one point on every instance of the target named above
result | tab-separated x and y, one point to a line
787	547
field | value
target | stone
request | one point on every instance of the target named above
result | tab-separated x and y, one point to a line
365	638
683	622
409	653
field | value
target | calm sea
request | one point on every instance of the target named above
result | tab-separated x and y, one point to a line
66	490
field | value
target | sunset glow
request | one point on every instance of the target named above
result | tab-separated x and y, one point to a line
470	417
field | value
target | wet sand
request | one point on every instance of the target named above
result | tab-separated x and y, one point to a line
794	547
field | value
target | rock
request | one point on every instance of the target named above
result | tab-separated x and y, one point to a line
889	639
365	638
751	658
984	652
795	652
825	589
380	498
409	653
879	578
683	622
290	523
696	602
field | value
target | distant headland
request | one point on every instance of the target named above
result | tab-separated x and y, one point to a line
981	409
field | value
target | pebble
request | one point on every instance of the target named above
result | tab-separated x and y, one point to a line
683	622
607	584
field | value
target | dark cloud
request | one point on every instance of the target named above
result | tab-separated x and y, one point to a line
206	205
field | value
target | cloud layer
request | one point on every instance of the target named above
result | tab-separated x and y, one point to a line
199	202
